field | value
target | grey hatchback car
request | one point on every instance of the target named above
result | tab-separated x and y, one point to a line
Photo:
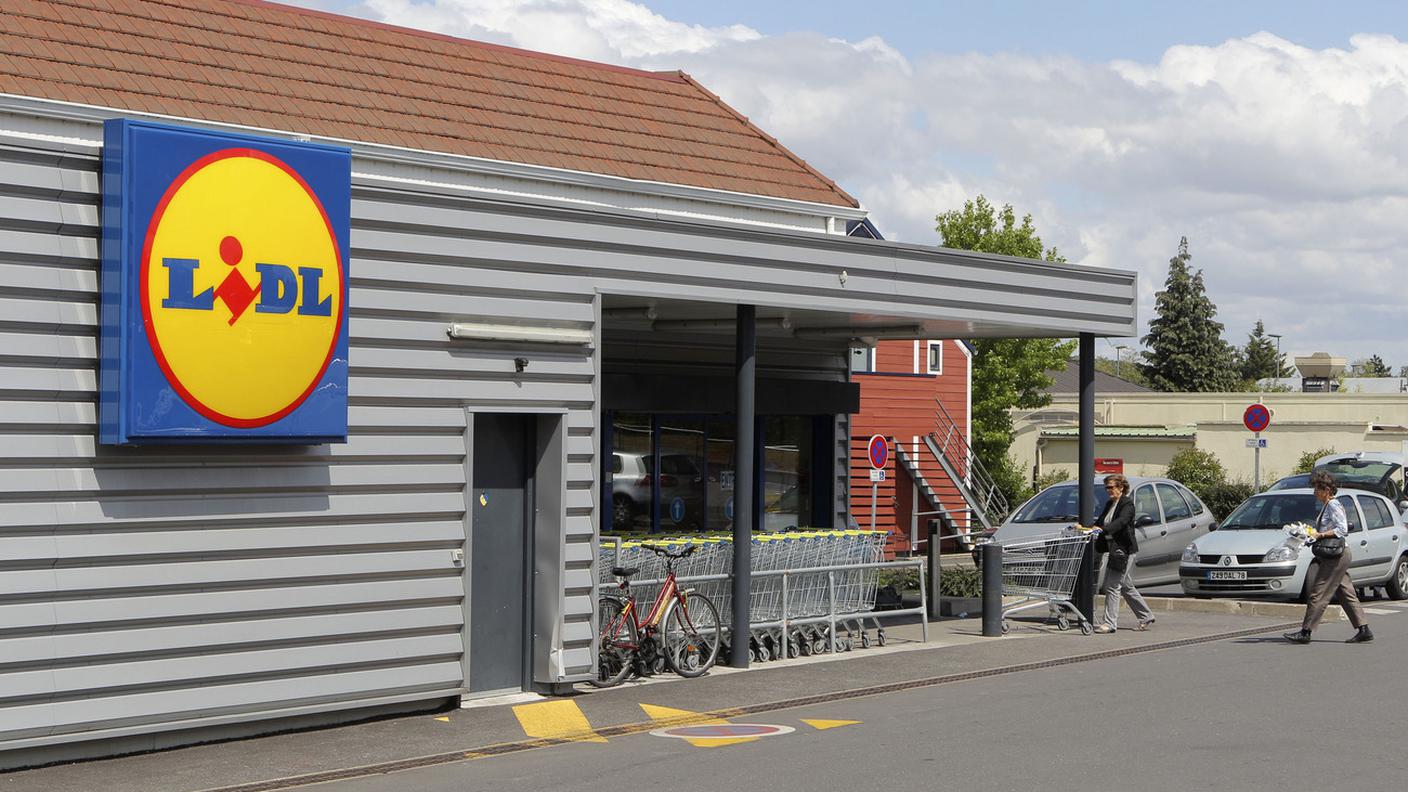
1167	517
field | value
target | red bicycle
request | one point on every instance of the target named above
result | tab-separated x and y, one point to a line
682	629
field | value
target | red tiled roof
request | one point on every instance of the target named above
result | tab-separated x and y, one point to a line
260	64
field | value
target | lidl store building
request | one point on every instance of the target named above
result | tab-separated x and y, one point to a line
328	351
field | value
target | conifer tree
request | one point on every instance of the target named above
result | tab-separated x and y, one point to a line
1184	350
1259	359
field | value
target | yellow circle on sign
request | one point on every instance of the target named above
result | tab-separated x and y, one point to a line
242	288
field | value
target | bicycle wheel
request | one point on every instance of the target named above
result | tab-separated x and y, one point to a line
618	643
692	635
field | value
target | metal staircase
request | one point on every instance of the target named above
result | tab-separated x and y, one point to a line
949	446
909	457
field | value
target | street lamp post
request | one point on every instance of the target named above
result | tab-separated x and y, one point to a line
1277	372
1119	358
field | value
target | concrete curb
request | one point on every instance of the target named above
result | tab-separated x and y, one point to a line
1278	610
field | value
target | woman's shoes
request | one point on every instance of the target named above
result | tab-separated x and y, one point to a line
1104	629
1145	625
1362	635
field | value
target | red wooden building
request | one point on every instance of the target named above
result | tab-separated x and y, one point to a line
918	395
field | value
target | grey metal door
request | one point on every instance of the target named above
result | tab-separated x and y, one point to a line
500	549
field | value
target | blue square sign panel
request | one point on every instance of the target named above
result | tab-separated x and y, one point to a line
224	287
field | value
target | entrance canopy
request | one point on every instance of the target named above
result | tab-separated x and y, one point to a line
819	287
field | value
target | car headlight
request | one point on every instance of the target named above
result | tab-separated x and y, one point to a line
1283	553
1190	554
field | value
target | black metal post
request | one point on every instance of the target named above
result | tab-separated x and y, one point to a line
991	554
1085	579
745	343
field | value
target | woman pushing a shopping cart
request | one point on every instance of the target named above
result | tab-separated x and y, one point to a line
1117	536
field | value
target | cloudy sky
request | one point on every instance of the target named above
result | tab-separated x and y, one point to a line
1274	135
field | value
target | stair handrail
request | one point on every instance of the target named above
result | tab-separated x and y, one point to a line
953	445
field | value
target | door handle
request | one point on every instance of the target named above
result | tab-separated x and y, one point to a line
1363	542
1163	533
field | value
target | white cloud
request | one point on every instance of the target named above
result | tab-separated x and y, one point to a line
1287	167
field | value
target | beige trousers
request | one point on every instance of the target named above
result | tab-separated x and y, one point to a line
1332	576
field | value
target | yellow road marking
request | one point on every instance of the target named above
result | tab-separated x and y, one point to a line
827	724
562	720
678	717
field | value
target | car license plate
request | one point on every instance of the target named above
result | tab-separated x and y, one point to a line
1227	574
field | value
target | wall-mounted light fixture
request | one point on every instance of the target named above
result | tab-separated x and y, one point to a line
528	334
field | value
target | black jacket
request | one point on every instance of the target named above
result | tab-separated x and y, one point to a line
1119	528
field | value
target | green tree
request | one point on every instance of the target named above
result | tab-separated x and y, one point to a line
1306	463
1007	372
1184	348
1126	370
1372	366
1259	359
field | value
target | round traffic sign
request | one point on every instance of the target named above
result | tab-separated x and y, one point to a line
677	510
1256	418
728	509
879	450
724	731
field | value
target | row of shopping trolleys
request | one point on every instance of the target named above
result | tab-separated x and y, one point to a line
812	591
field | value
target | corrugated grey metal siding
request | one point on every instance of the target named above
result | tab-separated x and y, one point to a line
154	585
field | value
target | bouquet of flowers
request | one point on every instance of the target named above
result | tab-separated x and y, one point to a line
1299	530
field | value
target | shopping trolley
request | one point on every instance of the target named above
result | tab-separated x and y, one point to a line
1042	571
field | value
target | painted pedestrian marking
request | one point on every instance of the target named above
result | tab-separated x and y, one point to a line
559	720
828	724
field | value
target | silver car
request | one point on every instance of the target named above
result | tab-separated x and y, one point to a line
1252	556
1167	517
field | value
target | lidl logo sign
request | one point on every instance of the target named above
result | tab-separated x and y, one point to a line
224	287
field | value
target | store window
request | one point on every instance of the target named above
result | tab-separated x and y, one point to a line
787	460
632	464
674	474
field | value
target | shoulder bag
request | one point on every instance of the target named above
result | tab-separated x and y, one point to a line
1329	547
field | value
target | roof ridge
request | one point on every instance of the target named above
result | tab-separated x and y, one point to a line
770	139
668	76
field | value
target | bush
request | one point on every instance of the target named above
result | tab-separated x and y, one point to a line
961	581
1198	470
1307	460
1011	482
1051	479
906	579
1223	497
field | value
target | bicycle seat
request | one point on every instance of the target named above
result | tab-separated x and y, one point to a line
624	571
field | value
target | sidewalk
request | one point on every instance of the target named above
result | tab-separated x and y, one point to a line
956	649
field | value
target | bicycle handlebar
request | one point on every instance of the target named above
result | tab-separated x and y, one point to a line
663	552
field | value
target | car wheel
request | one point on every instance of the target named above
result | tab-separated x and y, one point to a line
623	512
1398	581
